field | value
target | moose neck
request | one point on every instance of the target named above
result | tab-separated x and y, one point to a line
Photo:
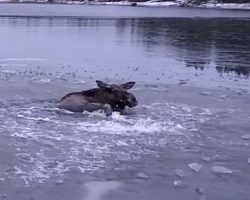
90	93
97	95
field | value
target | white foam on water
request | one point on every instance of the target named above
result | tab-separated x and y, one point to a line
56	141
147	125
45	119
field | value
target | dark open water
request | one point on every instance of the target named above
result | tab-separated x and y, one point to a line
192	71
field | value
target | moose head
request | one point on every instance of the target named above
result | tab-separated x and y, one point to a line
117	96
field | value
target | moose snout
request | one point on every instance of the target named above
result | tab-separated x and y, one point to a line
132	102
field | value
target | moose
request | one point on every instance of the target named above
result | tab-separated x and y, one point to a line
107	97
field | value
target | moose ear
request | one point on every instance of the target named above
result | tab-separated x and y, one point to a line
128	85
101	84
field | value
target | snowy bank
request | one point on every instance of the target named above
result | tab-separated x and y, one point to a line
159	3
241	6
151	3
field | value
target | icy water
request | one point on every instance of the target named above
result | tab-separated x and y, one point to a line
187	139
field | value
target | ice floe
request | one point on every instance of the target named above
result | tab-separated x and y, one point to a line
196	167
221	170
141	175
180	184
95	190
180	173
245	137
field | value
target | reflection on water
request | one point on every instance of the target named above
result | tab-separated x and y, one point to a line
200	43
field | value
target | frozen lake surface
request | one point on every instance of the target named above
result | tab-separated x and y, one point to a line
189	136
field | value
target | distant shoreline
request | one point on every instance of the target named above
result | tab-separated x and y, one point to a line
153	4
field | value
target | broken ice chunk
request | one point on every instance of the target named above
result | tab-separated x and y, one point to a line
59	181
141	175
206	93
180	184
195	167
221	170
200	191
205	158
180	173
245	137
203	198
223	96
